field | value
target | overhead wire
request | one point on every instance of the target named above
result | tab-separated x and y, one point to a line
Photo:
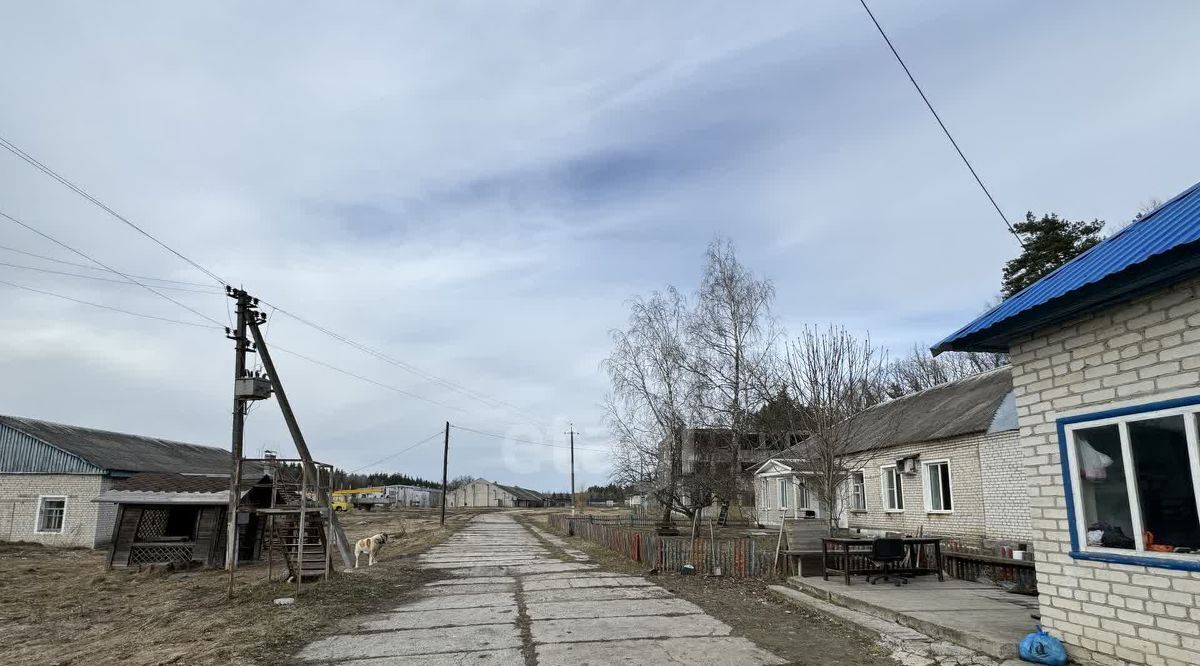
479	397
63	245
275	347
94	268
523	441
12	148
402	451
945	129
107	307
101	279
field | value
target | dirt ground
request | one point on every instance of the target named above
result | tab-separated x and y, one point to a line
793	633
60	606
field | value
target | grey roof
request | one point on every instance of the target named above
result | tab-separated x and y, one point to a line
523	493
120	452
980	403
163	488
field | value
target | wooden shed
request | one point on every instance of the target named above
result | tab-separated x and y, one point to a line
179	520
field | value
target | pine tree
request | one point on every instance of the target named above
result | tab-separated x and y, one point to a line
1050	242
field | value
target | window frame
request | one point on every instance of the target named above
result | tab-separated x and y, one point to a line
783	487
41	506
898	496
928	491
1189	409
858	491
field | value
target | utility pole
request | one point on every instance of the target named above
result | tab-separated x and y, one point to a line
239	428
445	467
571	431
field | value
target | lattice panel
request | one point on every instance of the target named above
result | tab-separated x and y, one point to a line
165	554
153	525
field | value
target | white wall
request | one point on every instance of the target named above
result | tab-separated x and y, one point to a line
1143	351
86	523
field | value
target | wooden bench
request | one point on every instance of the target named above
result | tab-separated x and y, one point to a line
803	543
1000	570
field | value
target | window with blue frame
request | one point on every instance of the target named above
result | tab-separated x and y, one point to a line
1134	479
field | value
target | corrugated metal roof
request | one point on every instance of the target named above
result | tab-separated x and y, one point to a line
523	493
1172	225
115	451
23	454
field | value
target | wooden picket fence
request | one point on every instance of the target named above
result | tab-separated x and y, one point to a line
742	557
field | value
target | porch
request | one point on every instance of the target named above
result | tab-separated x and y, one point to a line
974	615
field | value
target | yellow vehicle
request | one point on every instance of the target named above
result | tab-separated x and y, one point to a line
358	498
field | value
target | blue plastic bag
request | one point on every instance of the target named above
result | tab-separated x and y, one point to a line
1042	648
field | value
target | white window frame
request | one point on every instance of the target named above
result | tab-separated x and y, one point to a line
883	489
784	487
925	483
1189	413
858	491
37	517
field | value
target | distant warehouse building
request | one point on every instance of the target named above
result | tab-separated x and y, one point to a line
52	474
481	493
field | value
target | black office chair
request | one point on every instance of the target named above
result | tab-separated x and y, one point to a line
887	553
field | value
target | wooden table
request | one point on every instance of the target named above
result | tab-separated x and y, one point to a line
850	556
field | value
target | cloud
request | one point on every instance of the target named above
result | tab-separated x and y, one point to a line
478	189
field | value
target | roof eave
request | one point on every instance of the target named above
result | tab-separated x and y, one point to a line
1168	268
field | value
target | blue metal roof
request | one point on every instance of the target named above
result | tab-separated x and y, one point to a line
1170	226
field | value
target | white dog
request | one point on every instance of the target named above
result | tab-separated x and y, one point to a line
371	546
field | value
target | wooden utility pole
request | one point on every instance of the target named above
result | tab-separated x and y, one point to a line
445	468
571	431
239	429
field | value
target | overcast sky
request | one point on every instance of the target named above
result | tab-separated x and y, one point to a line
477	188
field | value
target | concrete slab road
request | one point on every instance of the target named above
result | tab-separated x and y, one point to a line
512	599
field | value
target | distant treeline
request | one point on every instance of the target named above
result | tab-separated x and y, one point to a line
343	479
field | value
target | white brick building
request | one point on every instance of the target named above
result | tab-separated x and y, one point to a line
1106	368
51	475
944	461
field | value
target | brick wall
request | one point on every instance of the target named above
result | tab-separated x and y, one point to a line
1139	352
1005	495
988	497
86	523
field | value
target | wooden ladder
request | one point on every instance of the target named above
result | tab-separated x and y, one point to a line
304	554
723	517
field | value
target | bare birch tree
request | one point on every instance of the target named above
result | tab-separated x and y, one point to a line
732	334
921	370
834	377
652	397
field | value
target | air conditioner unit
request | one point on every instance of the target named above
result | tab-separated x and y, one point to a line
907	466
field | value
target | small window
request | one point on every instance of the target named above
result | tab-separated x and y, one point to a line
783	493
937	487
801	496
858	492
893	489
51	513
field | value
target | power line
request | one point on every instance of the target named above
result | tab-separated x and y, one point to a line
12	148
108	307
362	378
523	441
107	267
404	450
8	145
93	268
942	124
479	397
100	279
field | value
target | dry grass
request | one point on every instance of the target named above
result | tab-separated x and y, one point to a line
60	606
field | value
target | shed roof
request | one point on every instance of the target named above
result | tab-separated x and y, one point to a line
1152	252
121	452
523	493
160	488
975	404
